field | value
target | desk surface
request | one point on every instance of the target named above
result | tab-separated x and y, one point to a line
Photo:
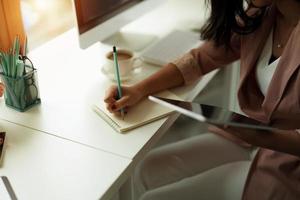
40	166
70	81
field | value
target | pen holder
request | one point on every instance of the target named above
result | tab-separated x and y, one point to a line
21	93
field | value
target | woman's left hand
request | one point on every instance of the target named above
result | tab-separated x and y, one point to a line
286	141
251	136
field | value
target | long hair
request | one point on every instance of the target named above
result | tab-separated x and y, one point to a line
224	20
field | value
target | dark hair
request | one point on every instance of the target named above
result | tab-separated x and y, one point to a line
224	18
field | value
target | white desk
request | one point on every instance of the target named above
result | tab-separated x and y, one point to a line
70	82
40	166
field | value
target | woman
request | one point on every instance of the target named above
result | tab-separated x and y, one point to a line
266	39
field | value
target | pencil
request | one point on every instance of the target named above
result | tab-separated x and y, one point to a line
115	55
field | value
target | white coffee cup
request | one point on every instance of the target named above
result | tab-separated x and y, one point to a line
126	60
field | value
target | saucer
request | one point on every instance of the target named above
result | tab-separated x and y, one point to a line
113	76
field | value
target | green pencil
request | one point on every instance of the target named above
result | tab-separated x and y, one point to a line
115	54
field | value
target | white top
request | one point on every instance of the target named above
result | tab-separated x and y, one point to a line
264	70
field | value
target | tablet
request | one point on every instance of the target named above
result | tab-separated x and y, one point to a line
211	114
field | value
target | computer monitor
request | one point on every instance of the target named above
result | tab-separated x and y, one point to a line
97	20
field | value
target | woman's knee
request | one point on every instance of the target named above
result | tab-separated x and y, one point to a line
160	168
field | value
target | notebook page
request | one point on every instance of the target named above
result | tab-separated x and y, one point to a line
144	112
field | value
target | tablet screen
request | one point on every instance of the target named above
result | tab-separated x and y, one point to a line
211	114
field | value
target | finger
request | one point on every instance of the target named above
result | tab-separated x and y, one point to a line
110	100
123	102
111	94
109	107
112	109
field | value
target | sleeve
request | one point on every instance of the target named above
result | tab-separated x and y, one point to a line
206	58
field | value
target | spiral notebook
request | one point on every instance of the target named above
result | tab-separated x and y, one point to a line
143	113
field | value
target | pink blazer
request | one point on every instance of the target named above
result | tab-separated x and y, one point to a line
273	175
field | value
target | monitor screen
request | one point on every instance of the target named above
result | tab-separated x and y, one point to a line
90	13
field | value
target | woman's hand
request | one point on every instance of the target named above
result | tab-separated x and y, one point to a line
130	96
167	77
251	136
1	89
286	141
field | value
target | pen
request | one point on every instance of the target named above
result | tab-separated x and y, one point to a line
25	47
115	55
24	55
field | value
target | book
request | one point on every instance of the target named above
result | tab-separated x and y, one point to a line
138	115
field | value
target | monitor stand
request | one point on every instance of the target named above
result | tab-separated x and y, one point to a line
132	41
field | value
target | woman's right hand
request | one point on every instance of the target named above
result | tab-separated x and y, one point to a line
130	96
